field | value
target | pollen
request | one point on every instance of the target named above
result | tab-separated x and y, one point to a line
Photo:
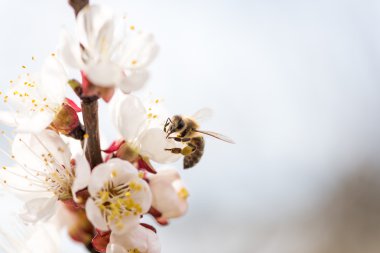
4	167
113	174
23	66
86	136
53	54
132	27
33	58
134	62
116	201
183	193
157	101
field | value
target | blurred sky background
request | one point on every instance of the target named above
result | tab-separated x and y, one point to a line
295	83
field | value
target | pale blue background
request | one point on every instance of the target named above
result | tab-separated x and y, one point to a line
295	83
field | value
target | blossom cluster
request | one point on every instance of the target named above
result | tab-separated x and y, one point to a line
50	144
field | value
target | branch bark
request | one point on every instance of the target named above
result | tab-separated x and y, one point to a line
90	115
90	119
78	5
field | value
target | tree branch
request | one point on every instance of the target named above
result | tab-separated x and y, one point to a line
90	119
78	5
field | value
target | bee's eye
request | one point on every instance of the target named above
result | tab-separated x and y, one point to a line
181	124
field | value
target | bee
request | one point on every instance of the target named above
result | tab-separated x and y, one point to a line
187	131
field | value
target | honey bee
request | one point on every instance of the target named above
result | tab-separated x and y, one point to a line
187	131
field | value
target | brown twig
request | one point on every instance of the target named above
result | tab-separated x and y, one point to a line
78	5
90	119
90	115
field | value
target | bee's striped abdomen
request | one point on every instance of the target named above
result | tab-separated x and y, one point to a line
192	159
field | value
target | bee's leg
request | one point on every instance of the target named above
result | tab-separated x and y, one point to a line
180	139
187	150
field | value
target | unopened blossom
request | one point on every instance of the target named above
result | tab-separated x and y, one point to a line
169	193
34	99
142	129
108	51
138	240
118	196
44	173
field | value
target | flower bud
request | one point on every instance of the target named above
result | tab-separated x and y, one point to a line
169	193
66	120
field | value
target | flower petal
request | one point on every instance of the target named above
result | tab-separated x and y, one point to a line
8	118
89	21
129	116
169	193
153	144
140	238
104	73
129	223
53	81
95	216
133	80
38	209
69	50
82	174
115	248
30	149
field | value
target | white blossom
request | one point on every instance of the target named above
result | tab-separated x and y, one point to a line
43	173
35	98
142	129
108	51
118	196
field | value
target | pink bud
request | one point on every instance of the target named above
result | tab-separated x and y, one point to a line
66	120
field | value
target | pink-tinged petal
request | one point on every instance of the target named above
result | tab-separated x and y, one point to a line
39	209
73	105
95	216
169	193
140	238
158	216
144	164
101	241
149	227
114	146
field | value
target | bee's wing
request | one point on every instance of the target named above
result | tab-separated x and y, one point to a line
215	135
202	115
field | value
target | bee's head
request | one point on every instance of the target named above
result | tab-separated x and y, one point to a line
174	124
